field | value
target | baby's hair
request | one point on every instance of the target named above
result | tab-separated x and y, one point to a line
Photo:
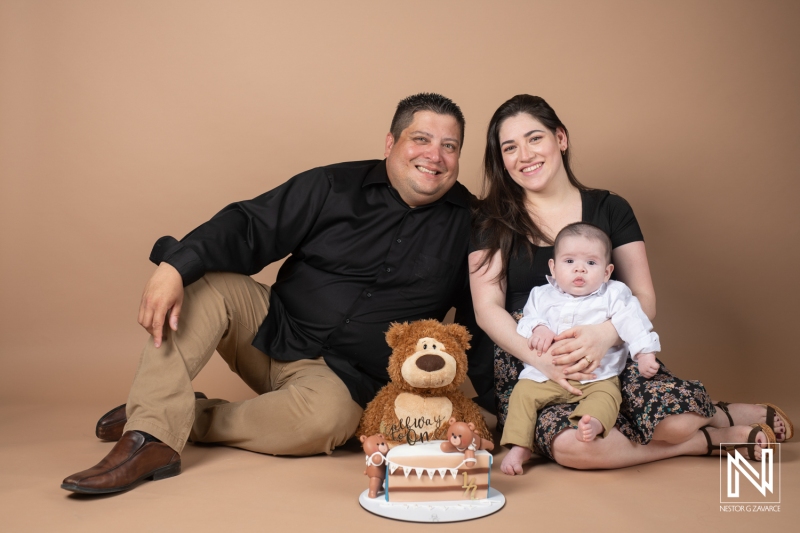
584	229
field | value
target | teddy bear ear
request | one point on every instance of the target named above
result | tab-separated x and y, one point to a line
460	334
471	426
395	332
363	439
452	420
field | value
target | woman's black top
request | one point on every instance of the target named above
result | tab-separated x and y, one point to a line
609	212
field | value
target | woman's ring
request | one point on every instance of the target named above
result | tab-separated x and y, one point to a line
588	359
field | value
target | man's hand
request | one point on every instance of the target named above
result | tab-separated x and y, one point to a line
648	366
540	340
163	294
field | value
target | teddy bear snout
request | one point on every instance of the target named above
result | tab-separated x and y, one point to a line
430	362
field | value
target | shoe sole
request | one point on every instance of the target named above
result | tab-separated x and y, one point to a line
159	473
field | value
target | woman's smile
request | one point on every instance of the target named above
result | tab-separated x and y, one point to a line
532	169
532	153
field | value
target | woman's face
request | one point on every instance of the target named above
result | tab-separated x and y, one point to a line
532	153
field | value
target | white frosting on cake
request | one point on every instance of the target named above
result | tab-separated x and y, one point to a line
397	456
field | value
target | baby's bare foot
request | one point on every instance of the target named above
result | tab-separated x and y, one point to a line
588	428
512	462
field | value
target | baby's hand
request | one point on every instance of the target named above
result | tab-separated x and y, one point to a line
541	339
648	366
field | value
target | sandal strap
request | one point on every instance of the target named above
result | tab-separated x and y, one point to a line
711	447
771	417
751	446
724	407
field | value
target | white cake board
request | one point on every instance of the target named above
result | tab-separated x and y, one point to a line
452	511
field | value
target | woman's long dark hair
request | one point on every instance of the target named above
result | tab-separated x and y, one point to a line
501	221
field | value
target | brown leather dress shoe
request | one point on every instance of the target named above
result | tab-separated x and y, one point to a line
132	460
111	424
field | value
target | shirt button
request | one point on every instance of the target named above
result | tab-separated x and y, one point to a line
388	269
346	320
399	241
369	295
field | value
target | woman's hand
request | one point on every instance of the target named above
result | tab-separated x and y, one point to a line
582	348
555	373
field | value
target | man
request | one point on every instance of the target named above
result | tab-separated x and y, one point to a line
369	243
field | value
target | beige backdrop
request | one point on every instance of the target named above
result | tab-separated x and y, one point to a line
121	122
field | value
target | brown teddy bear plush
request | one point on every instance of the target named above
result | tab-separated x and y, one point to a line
427	365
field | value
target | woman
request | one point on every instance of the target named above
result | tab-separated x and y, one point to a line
530	194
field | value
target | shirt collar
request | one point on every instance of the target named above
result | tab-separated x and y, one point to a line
552	281
458	194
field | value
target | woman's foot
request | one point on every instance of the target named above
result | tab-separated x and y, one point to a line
512	462
745	414
738	434
588	428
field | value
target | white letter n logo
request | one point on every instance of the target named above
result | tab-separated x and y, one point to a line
737	461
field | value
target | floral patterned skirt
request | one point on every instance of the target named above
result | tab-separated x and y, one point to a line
645	402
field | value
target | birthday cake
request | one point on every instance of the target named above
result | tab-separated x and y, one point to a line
423	472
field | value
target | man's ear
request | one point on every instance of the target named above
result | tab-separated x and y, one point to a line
552	265
609	270
389	144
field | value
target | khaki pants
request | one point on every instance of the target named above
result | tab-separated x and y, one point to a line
601	399
303	407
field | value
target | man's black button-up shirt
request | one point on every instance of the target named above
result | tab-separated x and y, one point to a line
359	258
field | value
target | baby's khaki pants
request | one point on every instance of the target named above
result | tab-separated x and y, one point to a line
303	408
601	399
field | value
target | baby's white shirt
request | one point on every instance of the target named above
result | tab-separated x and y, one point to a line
559	311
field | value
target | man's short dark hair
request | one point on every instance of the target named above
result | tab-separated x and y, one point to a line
584	229
424	102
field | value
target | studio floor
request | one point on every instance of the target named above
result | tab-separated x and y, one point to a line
230	490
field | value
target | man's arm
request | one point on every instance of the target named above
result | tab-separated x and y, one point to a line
247	236
243	238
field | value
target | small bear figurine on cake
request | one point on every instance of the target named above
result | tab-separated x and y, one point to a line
375	448
427	365
462	438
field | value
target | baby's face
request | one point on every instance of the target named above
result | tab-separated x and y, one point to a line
580	265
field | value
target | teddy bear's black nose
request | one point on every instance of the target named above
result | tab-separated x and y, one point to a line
430	362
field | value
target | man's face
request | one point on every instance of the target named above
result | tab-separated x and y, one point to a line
423	163
580	265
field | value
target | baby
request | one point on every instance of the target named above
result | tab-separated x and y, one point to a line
578	293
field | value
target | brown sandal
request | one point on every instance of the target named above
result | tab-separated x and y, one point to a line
751	441
772	410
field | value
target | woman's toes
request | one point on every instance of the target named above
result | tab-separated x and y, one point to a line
761	440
